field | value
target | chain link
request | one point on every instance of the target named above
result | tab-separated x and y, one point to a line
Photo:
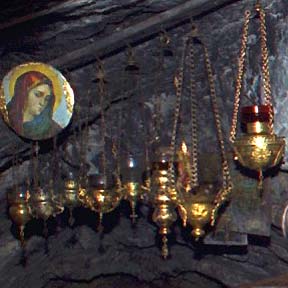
194	181
223	193
240	73
102	92
178	82
156	116
265	64
264	68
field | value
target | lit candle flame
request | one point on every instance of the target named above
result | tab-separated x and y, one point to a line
184	148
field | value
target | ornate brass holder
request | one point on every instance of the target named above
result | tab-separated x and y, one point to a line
164	196
164	216
102	199
196	208
258	149
71	197
198	204
19	209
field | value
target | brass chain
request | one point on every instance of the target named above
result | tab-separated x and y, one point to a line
264	68
265	64
178	83
156	116
194	181
223	193
102	92
240	73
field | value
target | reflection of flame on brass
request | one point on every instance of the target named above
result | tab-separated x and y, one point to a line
260	142
184	148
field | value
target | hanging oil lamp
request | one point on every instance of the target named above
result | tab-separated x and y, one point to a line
163	194
104	198
42	205
70	197
131	183
198	203
259	148
103	195
19	208
162	187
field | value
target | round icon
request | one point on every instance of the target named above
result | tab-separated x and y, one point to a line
36	101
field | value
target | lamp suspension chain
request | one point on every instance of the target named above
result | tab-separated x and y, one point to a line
265	64
194	181
101	89
178	83
240	73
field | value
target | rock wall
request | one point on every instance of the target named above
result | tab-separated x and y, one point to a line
122	256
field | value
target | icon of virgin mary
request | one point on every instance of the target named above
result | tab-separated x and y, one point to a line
37	107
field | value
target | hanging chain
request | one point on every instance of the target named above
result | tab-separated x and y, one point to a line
102	92
240	73
265	69
265	64
85	141
178	83
194	181
35	159
156	117
223	193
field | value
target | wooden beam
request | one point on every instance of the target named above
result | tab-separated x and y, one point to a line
35	15
152	25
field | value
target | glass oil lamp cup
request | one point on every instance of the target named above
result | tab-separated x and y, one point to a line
132	188
259	148
71	190
19	209
163	195
42	205
104	199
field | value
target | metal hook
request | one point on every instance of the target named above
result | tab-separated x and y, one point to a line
132	65
165	41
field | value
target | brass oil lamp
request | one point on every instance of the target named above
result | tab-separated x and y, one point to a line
103	199
259	148
163	195
131	184
19	209
199	203
71	191
43	207
42	204
196	208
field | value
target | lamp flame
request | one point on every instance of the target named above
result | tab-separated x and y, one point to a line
184	148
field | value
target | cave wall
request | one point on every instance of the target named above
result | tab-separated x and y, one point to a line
79	256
